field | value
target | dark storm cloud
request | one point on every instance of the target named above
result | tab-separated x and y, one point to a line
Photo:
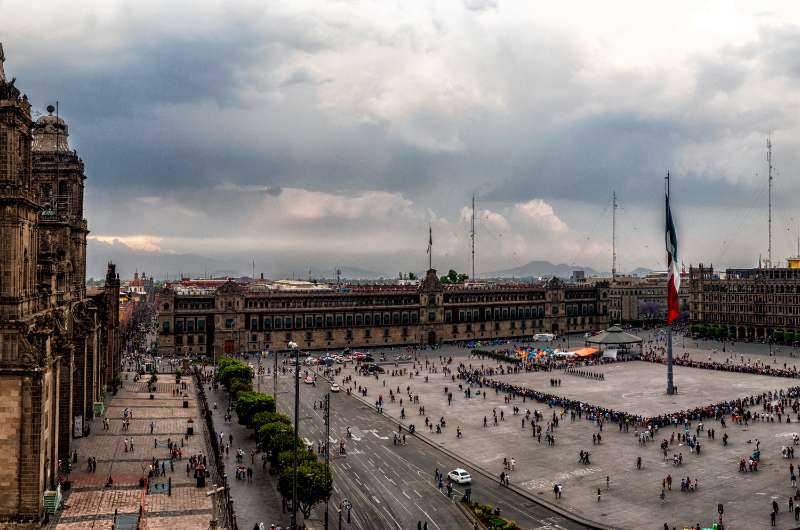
216	111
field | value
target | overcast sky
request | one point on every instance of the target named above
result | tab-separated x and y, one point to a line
333	132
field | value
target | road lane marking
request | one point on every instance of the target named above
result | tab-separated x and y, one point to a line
376	499
418	493
407	495
393	519
428	516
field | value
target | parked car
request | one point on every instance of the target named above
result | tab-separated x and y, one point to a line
335	387
460	476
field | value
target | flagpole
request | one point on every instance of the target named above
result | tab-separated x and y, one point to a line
670	384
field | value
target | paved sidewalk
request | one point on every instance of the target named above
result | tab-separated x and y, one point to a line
91	505
256	501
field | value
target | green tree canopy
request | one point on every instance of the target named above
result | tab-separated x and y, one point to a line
238	386
279	442
268	431
285	458
454	277
314	484
234	370
249	403
264	417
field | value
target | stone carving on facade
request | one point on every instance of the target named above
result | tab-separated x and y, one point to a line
82	319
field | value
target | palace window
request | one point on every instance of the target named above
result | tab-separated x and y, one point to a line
201	324
229	322
165	327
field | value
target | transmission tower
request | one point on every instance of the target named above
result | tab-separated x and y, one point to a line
769	221
472	237
613	234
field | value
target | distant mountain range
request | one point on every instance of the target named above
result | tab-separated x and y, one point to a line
545	269
163	265
540	268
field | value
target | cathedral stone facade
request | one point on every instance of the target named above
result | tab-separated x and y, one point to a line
59	344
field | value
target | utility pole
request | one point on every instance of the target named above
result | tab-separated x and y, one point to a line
769	167
613	234
327	449
296	349
472	236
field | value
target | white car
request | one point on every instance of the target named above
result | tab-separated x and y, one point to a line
335	387
459	476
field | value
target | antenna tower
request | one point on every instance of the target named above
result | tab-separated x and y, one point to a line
769	167
472	236
613	234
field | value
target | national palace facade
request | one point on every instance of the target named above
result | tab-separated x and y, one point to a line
749	304
59	344
199	317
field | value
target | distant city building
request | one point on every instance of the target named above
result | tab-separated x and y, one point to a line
636	300
750	304
199	317
59	343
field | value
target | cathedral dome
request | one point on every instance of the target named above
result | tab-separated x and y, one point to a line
50	133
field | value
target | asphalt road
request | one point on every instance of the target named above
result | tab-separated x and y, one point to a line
392	486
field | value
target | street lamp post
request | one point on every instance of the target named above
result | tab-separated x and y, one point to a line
293	346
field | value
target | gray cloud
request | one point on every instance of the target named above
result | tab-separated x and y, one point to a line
216	109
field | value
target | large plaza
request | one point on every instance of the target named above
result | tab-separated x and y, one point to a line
638	387
630	498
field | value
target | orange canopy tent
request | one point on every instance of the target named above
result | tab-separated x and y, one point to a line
586	352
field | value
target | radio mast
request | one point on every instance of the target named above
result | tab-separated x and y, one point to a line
472	236
769	221
613	234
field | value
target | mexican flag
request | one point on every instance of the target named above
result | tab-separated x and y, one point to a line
674	275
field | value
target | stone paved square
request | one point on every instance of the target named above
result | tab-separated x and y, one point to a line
632	498
91	506
638	387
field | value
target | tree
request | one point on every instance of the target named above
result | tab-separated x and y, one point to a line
249	403
279	442
266	433
264	417
412	276
314	484
454	277
286	458
229	371
237	386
